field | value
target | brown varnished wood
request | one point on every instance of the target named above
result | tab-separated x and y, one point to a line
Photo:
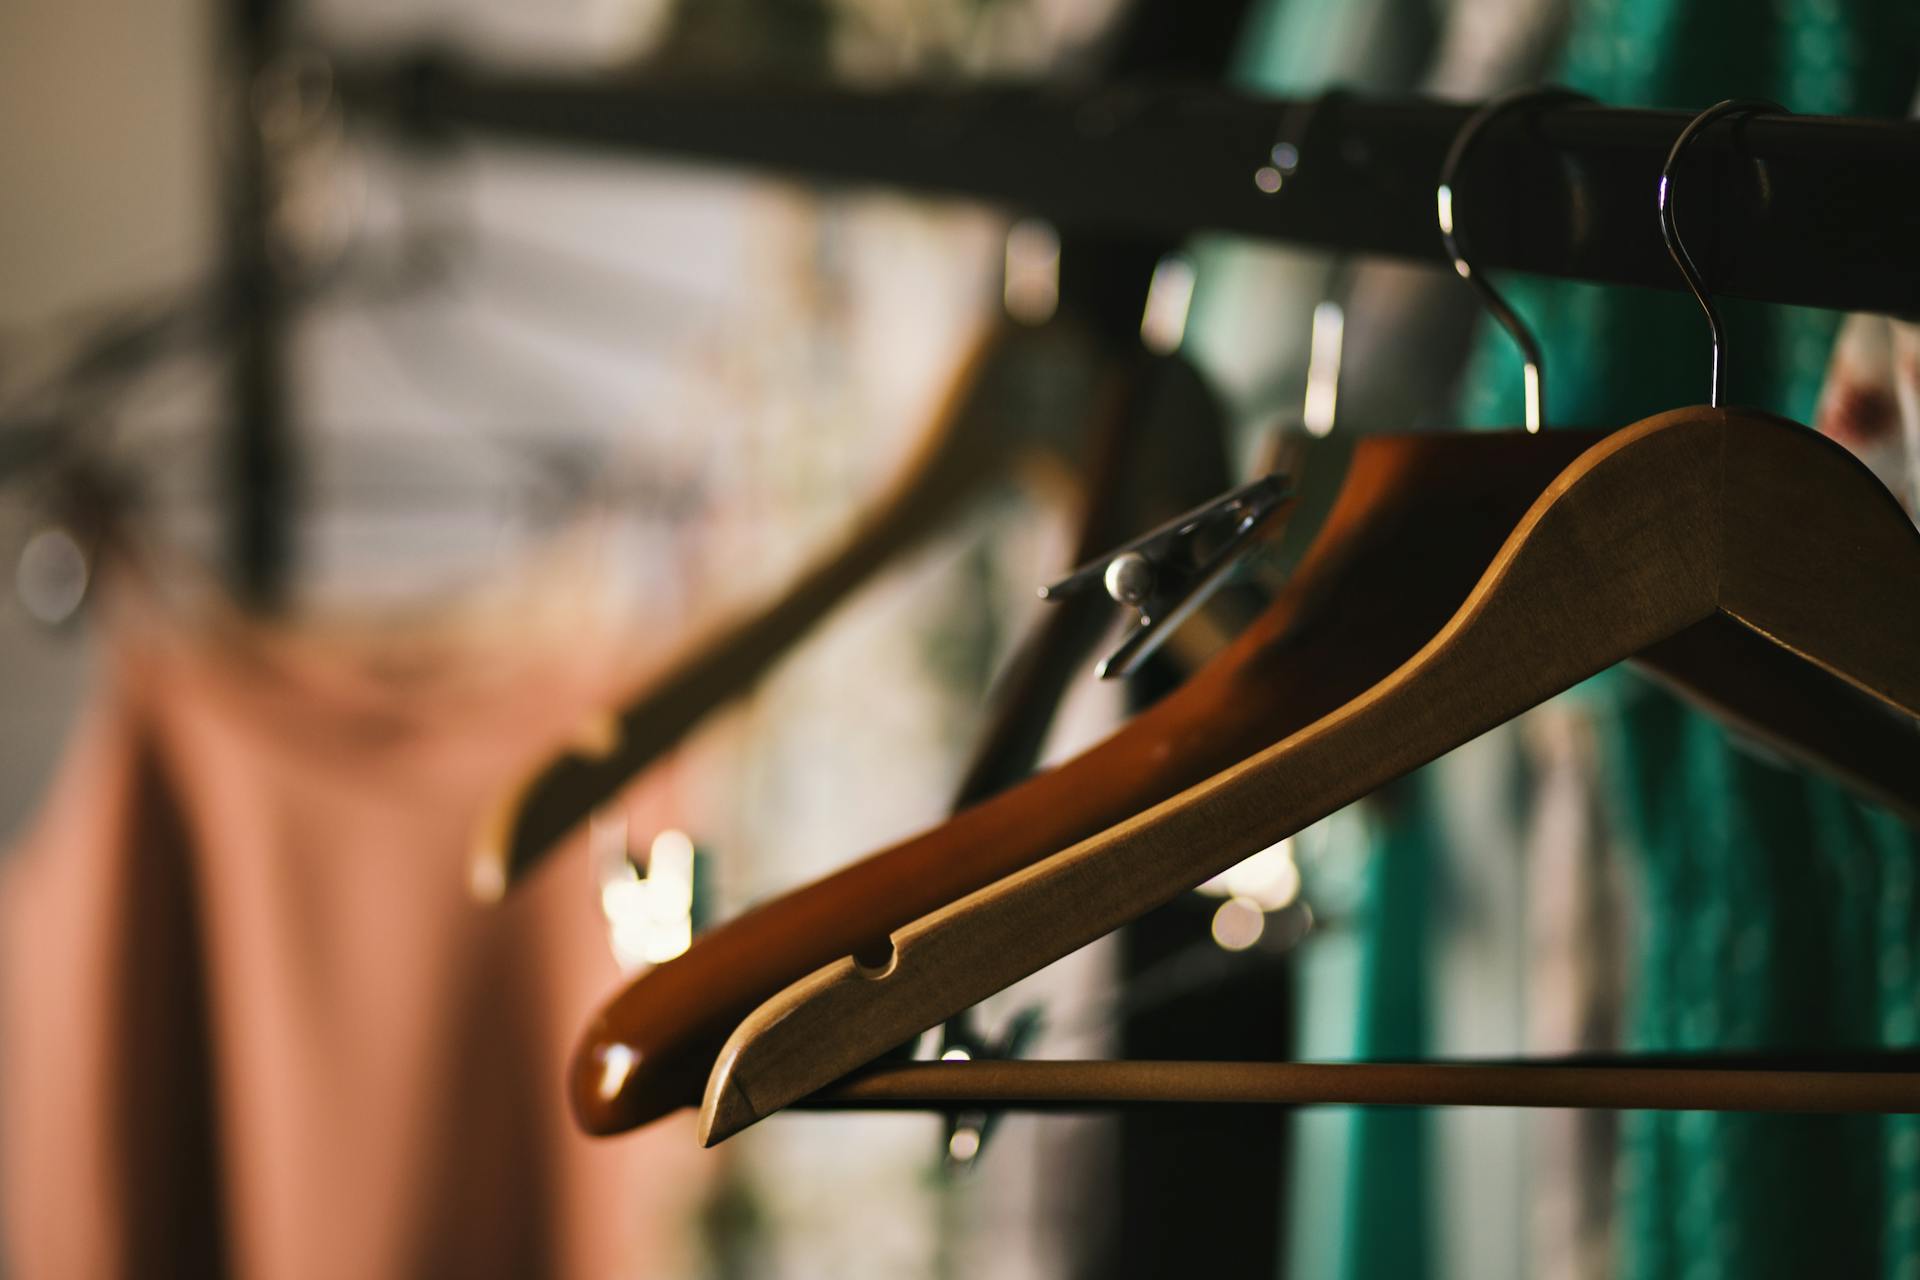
1813	577
969	446
1424	513
1801	604
1653	531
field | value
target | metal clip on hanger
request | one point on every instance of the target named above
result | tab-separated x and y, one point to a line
1735	532
1167	574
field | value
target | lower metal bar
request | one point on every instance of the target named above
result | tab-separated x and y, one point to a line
1826	1084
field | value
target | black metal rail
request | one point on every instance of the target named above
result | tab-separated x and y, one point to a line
257	457
1815	211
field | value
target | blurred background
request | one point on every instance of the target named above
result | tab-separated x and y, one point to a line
525	418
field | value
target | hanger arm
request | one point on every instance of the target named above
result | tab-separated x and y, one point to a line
1632	545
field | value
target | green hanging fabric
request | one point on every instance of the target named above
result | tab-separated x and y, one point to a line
1778	912
1391	1231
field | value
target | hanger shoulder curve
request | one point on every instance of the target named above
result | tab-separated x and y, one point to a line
1629	546
1809	636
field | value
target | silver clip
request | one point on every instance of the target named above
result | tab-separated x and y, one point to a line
1167	574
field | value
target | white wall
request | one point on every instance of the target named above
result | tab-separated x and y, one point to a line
106	195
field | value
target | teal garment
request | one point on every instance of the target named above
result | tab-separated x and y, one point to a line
1390	1218
1776	910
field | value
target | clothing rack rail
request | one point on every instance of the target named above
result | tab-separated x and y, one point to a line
258	461
1804	210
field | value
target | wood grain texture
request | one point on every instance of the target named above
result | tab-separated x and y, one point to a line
969	446
1632	545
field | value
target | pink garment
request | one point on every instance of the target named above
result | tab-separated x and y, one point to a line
253	1023
1870	401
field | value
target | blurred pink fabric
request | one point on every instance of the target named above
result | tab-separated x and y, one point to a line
254	1025
1870	401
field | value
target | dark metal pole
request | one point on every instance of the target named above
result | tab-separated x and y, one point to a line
1805	210
257	460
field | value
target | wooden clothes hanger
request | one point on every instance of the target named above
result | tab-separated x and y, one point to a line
1712	533
1695	523
1422	512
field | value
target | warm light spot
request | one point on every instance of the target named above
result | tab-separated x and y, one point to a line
671	846
623	899
956	1054
964	1145
670	872
1238	924
665	941
1163	323
617	1063
51	578
1323	367
487	879
650	917
1031	280
1269	879
1267	178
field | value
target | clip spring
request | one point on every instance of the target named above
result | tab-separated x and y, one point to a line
1167	574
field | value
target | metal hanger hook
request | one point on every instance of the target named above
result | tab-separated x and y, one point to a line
1670	226
1450	233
